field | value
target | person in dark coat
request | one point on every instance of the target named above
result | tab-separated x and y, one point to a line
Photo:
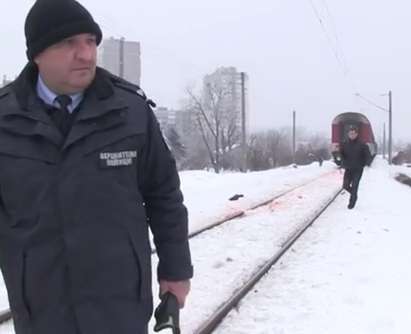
84	174
355	155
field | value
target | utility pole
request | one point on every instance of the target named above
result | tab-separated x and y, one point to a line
390	128
121	62
294	134
243	125
384	143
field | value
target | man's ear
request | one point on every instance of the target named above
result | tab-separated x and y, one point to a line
36	60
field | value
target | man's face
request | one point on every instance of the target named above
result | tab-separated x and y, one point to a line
69	66
352	134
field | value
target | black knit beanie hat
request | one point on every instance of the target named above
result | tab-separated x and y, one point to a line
50	21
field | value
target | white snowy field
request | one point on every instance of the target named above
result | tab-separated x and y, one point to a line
207	194
350	273
4	303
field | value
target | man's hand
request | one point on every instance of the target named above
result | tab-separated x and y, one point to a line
179	288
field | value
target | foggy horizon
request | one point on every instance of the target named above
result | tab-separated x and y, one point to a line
309	56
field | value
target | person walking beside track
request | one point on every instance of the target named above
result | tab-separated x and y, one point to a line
355	155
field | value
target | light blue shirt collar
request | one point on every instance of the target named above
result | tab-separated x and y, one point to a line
49	97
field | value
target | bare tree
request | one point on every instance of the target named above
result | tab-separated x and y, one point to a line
272	148
196	153
403	155
312	147
217	121
175	143
269	149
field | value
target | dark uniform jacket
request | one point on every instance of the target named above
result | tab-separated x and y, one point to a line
75	211
355	154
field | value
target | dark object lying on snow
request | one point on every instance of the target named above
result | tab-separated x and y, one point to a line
236	197
405	179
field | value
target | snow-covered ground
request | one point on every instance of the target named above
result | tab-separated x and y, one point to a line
349	274
403	169
207	194
228	255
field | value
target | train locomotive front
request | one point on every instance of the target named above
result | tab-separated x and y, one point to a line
339	133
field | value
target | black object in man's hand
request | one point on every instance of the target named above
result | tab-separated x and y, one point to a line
167	314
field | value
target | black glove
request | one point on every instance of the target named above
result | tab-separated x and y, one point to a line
167	314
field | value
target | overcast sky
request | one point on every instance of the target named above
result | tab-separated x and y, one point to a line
291	62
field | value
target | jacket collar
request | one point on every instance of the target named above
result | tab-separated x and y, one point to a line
24	86
99	100
50	97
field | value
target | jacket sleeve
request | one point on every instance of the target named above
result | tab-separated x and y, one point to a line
342	155
367	155
167	216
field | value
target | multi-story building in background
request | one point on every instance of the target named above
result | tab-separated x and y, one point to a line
228	83
181	120
122	58
166	117
185	122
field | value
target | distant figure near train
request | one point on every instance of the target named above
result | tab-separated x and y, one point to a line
352	151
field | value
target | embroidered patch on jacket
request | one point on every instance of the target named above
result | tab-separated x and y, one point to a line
117	159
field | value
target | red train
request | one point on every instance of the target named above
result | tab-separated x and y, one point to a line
340	126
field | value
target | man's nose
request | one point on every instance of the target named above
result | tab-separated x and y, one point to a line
85	52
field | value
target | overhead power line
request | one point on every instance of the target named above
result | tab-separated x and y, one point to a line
338	50
370	102
336	35
324	28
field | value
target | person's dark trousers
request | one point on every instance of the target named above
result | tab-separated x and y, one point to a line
351	182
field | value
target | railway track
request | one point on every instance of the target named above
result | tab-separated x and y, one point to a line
241	213
217	317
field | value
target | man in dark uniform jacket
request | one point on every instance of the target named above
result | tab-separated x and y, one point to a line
355	156
84	173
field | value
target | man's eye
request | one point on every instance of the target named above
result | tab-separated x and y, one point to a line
92	40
